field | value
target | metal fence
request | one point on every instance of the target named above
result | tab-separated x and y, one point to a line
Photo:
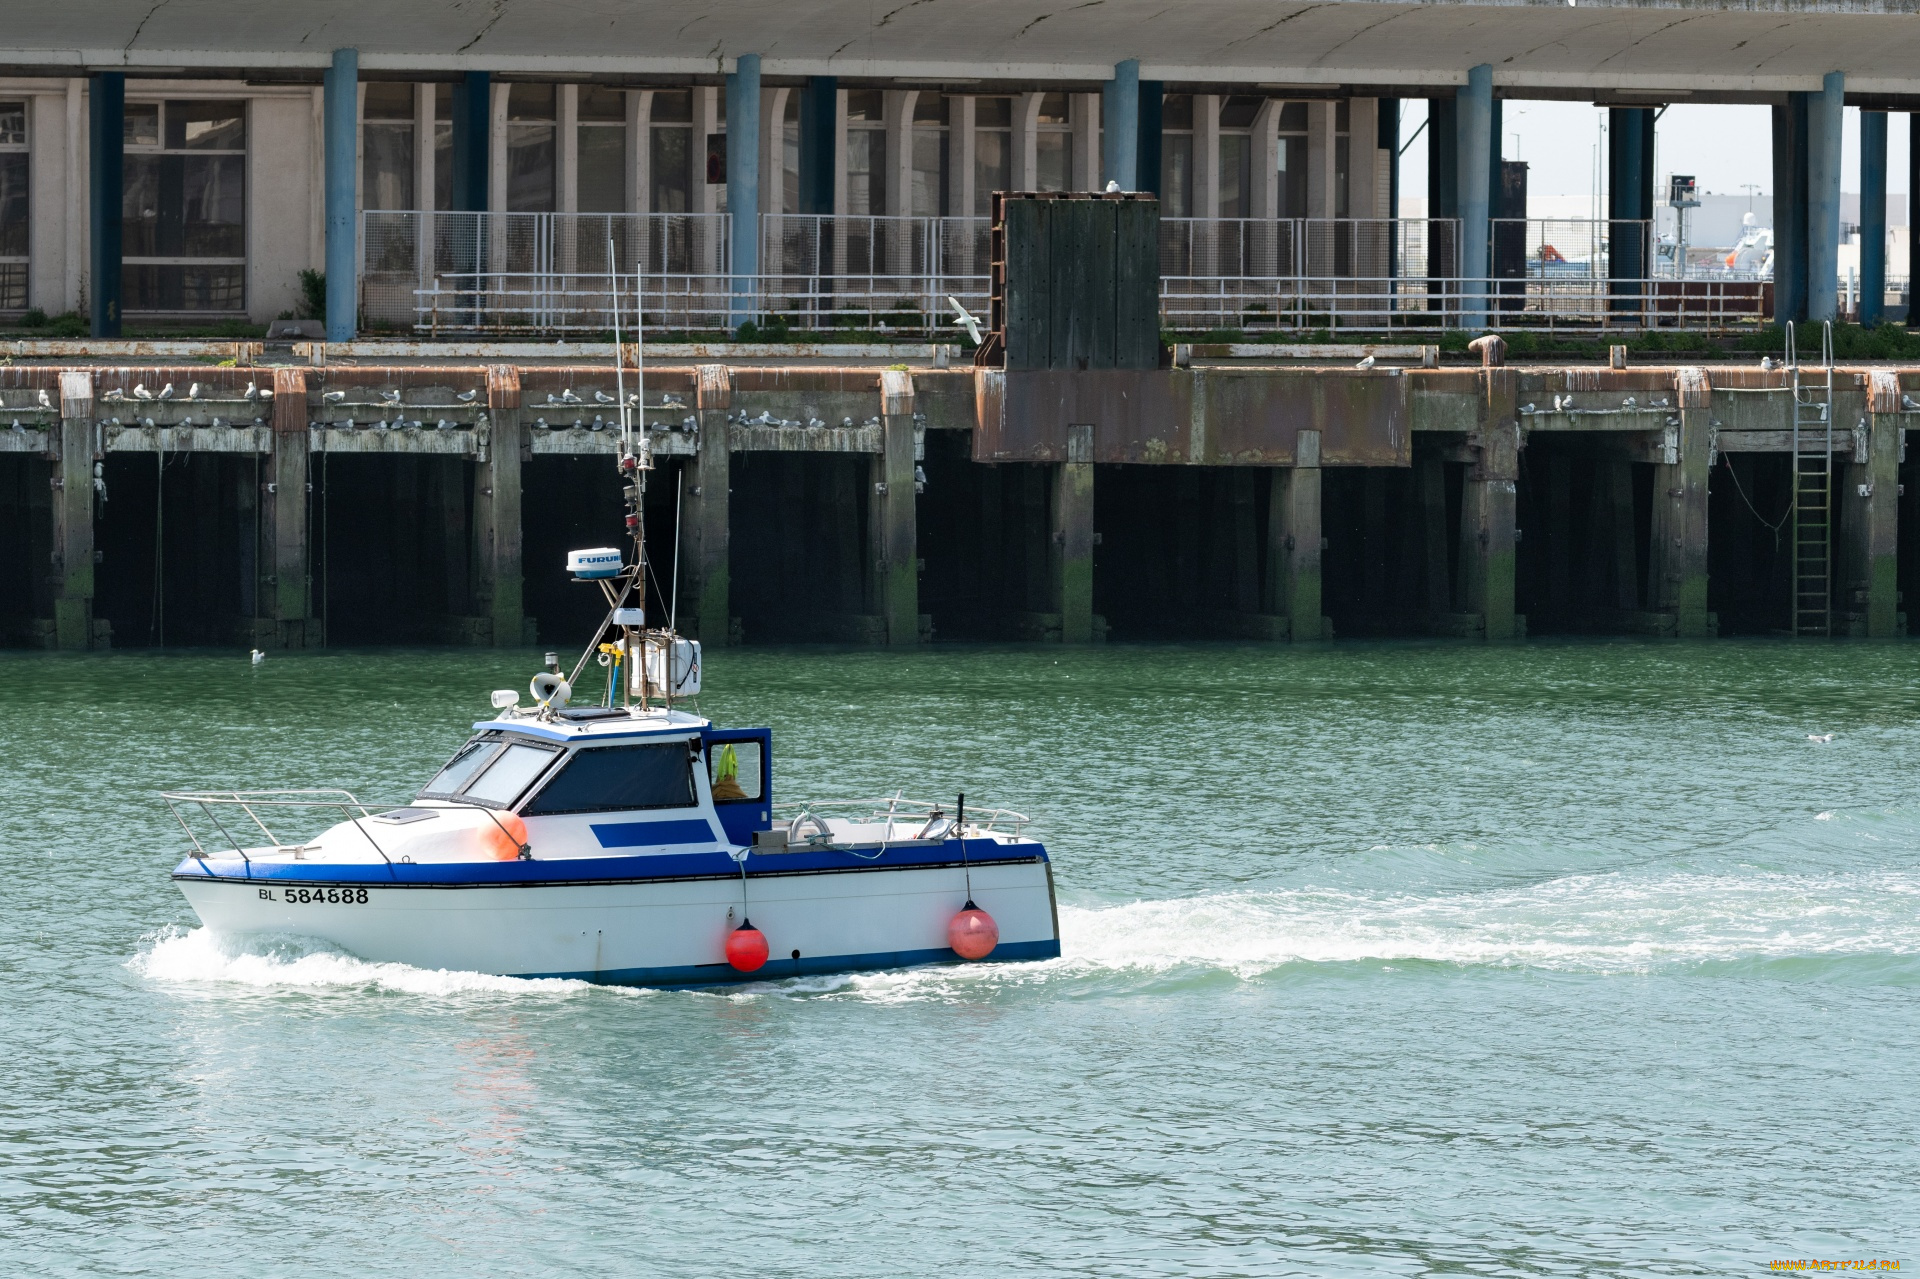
502	274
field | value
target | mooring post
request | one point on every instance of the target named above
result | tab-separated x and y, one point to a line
1072	557
1873	491
1488	511
706	528
1677	563
499	571
1293	541
895	546
73	515
288	591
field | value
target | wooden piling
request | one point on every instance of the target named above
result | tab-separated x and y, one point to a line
1293	542
895	541
1677	559
1488	509
499	570
708	512
289	621
1072	556
73	515
1874	537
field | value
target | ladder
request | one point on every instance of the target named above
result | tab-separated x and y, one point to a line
1812	461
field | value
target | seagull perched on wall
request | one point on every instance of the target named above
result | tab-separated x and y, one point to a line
1113	186
115	395
1766	364
166	392
334	397
668	397
965	319
45	401
1908	403
1365	364
601	397
468	397
251	393
568	397
390	397
193	390
140	391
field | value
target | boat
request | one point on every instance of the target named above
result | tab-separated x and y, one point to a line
631	841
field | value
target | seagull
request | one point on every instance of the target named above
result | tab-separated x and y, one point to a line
846	421
1766	364
872	421
1365	364
45	403
667	397
166	392
251	393
568	397
965	319
814	423
633	397
1113	187
599	423
551	398
258	657
1526	408
443	425
689	423
1908	403
884	327
266	393
116	395
1629	402
390	397
140	391
1820	738
193	390
540	423
334	397
1559	402
601	397
468	397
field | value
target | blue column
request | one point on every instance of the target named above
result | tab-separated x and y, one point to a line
342	112
1474	151
1873	216
106	147
1120	126
1790	209
819	109
743	181
1146	165
1824	110
472	125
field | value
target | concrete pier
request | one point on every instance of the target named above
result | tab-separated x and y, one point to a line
430	503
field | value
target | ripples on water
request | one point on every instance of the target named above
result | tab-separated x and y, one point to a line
1379	959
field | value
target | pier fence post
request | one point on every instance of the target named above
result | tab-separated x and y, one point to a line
1489	509
1293	537
289	563
1677	563
894	536
73	515
1072	557
1876	533
706	528
497	511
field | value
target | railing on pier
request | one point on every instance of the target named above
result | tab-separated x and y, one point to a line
446	274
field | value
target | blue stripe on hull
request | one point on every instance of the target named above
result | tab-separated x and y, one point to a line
777	969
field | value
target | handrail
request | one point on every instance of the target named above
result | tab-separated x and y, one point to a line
890	807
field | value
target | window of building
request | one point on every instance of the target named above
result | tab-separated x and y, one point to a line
790	153
443	146
13	206
1053	147
532	151
1176	156
386	147
601	180
929	156
670	152
992	151
866	153
1293	160
1342	128
184	207
1237	115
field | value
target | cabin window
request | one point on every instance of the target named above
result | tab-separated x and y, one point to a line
461	768
734	769
612	779
508	774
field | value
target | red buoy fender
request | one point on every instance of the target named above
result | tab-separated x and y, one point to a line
746	947
972	933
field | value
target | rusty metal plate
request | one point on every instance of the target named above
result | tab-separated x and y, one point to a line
1209	417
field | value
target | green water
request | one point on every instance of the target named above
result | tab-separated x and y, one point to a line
1379	959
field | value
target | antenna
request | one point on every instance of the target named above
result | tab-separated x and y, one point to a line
673	607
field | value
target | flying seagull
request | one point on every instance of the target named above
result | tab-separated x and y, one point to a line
967	320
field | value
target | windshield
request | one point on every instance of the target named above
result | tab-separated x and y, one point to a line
509	774
615	779
461	768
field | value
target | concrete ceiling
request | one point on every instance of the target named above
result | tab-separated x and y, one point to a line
1673	47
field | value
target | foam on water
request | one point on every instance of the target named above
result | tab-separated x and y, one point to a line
199	956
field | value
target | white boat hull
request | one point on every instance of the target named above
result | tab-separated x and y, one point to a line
645	932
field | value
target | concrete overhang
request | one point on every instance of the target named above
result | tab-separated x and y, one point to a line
1722	48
